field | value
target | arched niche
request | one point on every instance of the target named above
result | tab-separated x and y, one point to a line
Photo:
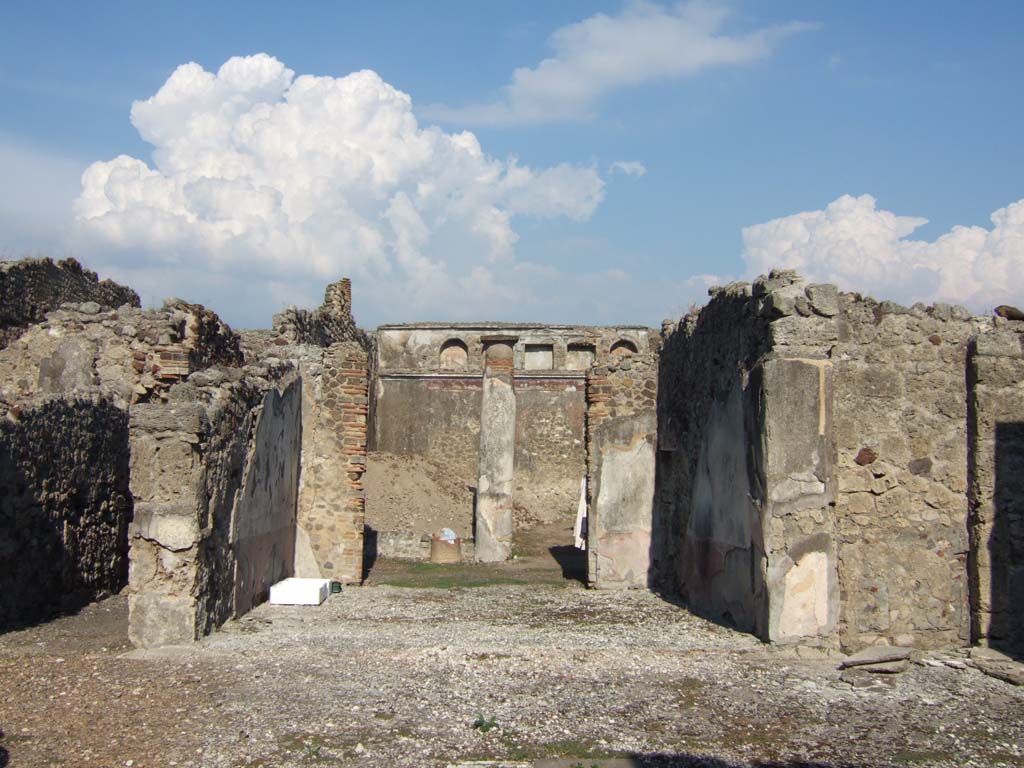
454	355
623	347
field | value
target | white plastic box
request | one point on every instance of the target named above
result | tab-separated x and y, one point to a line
300	591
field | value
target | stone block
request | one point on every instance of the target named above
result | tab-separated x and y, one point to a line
795	417
824	299
172	525
1000	343
174	417
298	591
156	619
811	333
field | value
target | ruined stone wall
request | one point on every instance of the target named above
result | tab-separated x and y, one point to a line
64	505
620	448
336	361
420	347
996	485
408	545
835	444
331	505
214	474
438	419
130	353
901	468
331	323
32	287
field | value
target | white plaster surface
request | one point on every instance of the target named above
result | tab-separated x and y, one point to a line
805	597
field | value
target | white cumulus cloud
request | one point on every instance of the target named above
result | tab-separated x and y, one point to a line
602	53
854	244
260	174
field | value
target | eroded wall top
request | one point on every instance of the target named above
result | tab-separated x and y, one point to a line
131	353
32	287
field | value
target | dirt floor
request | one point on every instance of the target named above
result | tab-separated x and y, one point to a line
514	664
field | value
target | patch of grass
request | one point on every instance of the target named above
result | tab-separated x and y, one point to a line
313	748
417	575
574	748
914	756
518	752
689	690
768	740
488	656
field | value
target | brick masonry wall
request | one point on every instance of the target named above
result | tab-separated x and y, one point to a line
32	287
996	484
331	507
64	505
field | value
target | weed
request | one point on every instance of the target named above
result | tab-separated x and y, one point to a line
313	747
483	724
310	747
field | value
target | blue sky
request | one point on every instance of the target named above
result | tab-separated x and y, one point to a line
759	130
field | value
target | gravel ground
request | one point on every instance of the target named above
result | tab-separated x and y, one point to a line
389	676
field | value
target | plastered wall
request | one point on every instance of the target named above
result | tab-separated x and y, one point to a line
621	444
428	403
214	474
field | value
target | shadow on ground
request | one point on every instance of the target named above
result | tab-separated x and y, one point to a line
369	550
679	760
667	760
572	561
70	604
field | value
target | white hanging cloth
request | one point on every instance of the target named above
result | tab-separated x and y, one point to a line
580	531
